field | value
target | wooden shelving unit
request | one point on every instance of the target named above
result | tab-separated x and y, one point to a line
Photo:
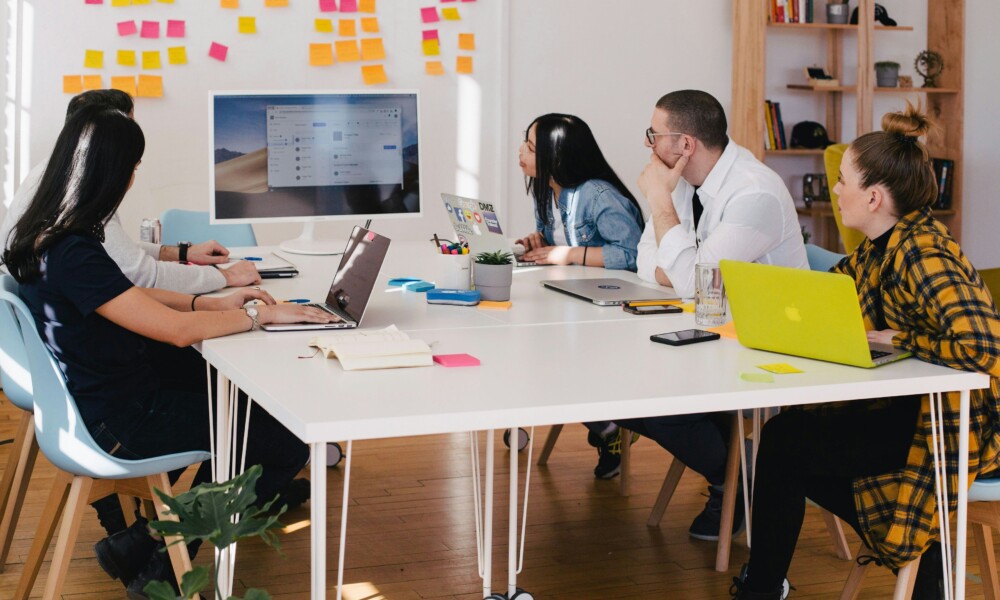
945	35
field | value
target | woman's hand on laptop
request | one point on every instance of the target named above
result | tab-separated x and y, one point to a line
234	301
550	255
532	241
883	336
294	313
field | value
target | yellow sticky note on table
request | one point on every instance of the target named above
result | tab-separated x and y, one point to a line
372	49
431	48
780	368
72	84
248	25
93	59
229	3
92	82
275	3
374	74
757	377
727	331
466	41
366	6
348	28
121	2
177	55
450	14
321	55
463	64
151	59
434	67
150	86
125	84
369	24
324	25
688	307
347	50
126	58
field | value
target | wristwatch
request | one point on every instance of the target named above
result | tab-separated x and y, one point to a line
182	251
252	313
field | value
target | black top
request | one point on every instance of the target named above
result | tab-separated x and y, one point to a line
880	243
105	365
696	207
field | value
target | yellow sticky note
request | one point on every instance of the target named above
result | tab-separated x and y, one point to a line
165	1
121	2
125	84
72	84
494	305
324	25
727	331
347	28
366	6
450	14
150	86
92	82
463	64
780	368
688	307
753	377
431	48
229	3
275	3
177	55
434	67
320	55
374	74
347	51
248	25
140	1
93	59
466	41
126	58
372	49
369	24
151	59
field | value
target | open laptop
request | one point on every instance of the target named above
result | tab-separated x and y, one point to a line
813	314
352	285
478	223
608	292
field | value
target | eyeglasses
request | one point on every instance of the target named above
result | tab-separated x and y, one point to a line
651	135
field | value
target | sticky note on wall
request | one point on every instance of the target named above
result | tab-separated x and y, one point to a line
127	28
327	5
347	51
126	58
150	29
324	25
320	55
151	59
348	6
463	64
177	55
176	29
367	6
72	84
431	48
93	59
121	2
347	28
275	3
150	86
248	24
372	49
92	82
466	41
429	15
450	14
369	25
374	74
218	51
434	67
125	84
229	3
430	34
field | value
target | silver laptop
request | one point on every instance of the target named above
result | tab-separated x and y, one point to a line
478	223
352	285
608	292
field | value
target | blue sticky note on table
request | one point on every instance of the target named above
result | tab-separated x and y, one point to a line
418	286
401	281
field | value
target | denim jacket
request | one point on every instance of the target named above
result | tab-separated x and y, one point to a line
595	213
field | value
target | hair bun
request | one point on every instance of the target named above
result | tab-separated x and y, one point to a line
908	124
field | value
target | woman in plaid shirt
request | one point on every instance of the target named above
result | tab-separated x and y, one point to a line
869	461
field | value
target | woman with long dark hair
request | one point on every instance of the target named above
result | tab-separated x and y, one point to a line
584	214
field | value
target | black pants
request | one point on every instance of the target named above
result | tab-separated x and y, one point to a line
700	441
817	456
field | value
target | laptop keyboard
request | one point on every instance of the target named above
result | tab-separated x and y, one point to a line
879	354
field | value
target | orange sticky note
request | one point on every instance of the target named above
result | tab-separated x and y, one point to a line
229	3
450	14
347	51
150	86
320	55
92	82
93	59
369	25
151	59
366	6
372	49
126	58
466	41
434	67
72	84
347	28
177	55
431	48
275	3
324	25
125	84
463	64
373	74
248	25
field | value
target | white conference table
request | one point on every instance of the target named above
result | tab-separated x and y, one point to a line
551	359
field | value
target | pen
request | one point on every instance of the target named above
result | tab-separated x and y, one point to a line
437	242
252	258
296	301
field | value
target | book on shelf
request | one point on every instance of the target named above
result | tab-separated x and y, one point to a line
791	11
775	134
780	124
387	348
944	170
768	127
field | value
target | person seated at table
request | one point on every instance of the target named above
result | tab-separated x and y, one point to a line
124	350
870	461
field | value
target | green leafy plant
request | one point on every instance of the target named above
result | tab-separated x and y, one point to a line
206	513
886	64
494	258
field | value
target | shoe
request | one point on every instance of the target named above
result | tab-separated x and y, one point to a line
125	553
706	525
609	452
157	568
295	493
738	593
929	584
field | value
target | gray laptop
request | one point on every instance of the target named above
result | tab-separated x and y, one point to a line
478	223
352	285
608	292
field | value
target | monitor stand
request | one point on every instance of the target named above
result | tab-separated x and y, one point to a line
307	243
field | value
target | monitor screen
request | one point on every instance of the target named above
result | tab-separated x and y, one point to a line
313	156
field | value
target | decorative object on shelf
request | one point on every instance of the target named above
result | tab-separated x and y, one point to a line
837	12
805	233
817	76
881	15
493	274
809	134
815	188
905	81
929	65
886	73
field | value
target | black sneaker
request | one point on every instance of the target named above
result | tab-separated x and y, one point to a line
706	525
295	493
609	452
929	584
157	568
124	554
738	593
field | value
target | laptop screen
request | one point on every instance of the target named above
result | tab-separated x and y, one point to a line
359	268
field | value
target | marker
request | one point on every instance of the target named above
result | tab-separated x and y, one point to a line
296	301
253	258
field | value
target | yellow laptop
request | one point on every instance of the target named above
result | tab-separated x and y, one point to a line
813	314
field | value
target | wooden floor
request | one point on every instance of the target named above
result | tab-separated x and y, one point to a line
411	533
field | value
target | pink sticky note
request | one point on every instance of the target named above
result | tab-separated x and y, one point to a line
348	5
456	360
443	1
95	2
468	0
127	28
430	34
218	51
150	29
175	29
429	14
327	5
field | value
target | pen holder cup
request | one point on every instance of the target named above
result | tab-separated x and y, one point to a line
453	271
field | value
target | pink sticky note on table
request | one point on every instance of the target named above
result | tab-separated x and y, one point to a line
150	29
348	5
127	28
218	51
95	2
430	34
175	29
456	360
429	14
327	5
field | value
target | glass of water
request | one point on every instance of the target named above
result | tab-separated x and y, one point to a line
709	295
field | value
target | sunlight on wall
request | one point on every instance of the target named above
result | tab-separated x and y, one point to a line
470	112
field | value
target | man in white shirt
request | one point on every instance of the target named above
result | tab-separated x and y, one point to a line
145	264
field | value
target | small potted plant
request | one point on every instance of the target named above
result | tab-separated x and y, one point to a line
886	73
492	274
837	12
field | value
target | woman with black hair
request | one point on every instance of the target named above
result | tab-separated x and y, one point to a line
584	214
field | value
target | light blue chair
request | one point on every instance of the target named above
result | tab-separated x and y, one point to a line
85	471
193	226
821	259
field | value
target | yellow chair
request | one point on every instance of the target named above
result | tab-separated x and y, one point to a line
832	156
991	277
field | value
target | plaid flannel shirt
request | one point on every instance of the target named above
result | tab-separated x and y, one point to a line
937	300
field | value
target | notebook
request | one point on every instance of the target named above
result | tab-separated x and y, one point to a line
477	223
387	348
269	265
352	284
608	292
812	314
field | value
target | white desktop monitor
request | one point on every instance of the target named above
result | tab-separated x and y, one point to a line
312	156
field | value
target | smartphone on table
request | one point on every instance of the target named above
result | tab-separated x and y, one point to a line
684	337
651	309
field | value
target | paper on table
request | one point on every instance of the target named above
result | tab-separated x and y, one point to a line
456	360
268	261
780	368
757	377
380	349
727	331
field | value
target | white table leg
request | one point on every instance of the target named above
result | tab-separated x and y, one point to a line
963	494
512	525
222	463
488	518
317	509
